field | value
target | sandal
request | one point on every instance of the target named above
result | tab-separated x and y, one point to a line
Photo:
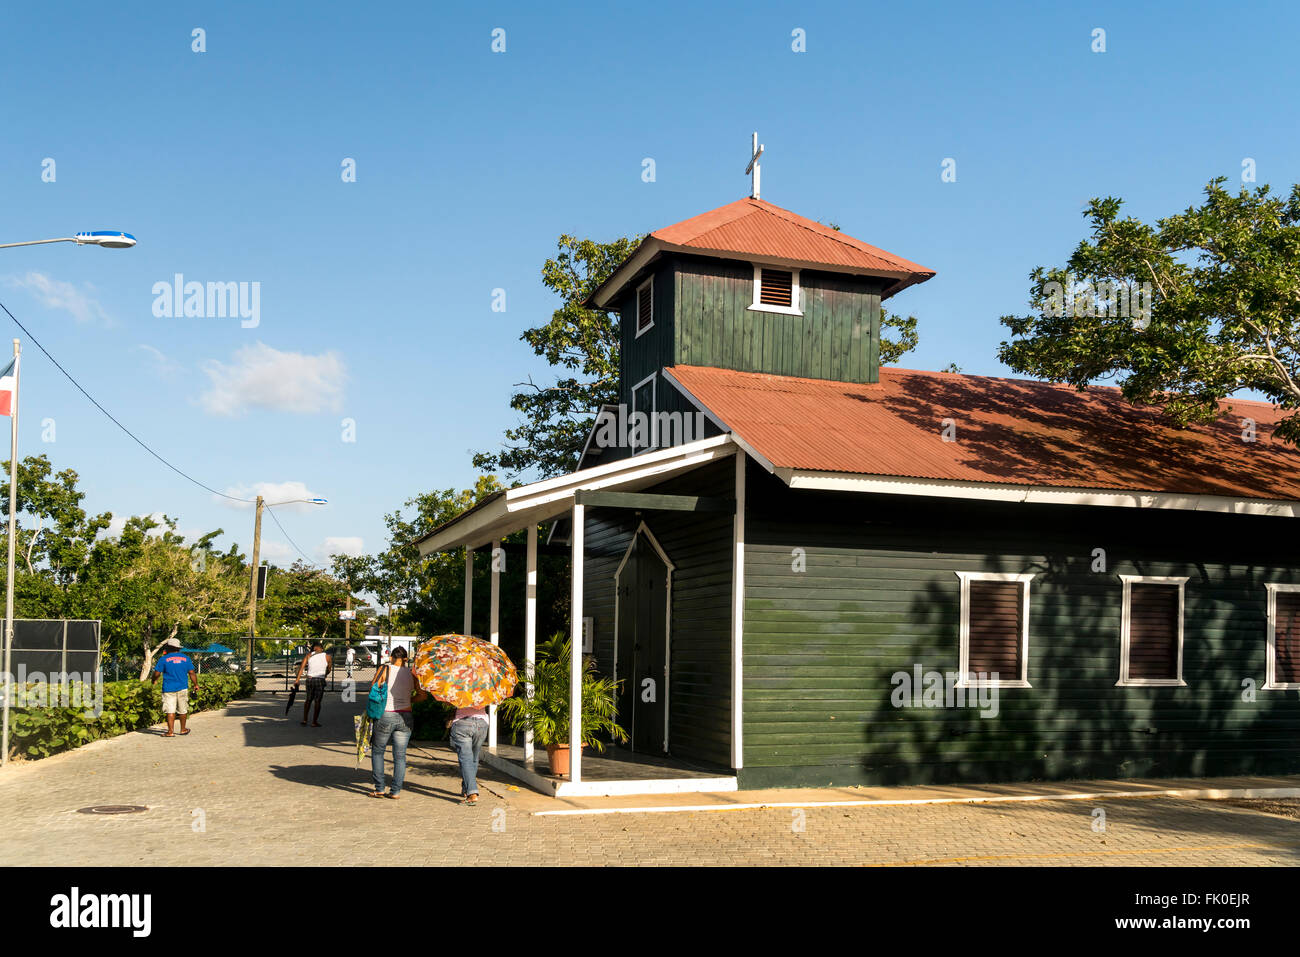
186	731
376	794
471	801
392	797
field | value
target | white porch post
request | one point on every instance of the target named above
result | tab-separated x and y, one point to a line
530	627
738	617
575	649
494	627
469	590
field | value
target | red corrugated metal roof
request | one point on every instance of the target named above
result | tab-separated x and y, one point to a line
757	228
1013	431
751	229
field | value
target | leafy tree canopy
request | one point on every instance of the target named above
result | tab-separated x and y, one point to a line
1217	314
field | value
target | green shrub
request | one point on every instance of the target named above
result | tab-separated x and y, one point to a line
37	732
430	717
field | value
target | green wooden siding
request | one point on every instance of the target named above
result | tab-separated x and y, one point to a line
835	338
880	595
653	349
699	545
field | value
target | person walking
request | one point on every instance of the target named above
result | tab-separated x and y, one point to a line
178	677
317	665
467	730
395	724
349	658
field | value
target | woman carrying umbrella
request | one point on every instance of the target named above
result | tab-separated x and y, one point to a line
395	725
471	674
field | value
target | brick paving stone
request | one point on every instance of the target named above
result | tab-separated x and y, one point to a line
260	779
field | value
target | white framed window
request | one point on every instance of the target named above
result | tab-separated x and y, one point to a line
1151	632
645	306
1283	637
776	290
644	399
994	631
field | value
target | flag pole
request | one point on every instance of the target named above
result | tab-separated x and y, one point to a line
9	577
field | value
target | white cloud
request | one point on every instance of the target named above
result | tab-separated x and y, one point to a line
64	296
276	553
260	377
350	545
118	523
271	492
168	368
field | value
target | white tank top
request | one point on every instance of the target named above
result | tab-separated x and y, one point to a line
316	665
400	685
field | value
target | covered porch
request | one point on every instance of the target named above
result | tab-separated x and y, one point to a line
616	485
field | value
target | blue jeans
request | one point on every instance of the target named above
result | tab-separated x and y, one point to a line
395	726
467	737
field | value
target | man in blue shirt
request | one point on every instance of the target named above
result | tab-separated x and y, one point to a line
178	675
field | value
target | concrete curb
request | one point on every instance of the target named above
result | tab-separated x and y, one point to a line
1213	794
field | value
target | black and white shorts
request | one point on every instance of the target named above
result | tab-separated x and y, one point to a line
315	689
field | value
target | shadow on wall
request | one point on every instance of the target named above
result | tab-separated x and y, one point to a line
1074	722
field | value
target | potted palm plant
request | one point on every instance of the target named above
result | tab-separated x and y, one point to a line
547	711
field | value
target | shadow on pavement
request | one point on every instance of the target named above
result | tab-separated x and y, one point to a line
354	779
1199	822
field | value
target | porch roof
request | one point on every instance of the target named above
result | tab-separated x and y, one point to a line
512	509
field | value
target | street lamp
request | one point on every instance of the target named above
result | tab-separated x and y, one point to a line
257	553
108	238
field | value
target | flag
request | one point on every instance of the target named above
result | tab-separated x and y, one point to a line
8	385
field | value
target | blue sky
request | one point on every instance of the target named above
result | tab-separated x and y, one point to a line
376	295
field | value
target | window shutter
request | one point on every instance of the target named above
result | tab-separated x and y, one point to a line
776	288
1153	631
996	628
1286	635
644	307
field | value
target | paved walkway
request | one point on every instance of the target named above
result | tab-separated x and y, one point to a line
268	791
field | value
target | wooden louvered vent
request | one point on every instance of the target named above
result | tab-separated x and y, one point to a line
776	288
996	629
1153	632
644	307
1286	635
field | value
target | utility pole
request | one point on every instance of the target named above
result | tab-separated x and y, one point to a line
252	588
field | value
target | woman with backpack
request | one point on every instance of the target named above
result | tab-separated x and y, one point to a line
395	723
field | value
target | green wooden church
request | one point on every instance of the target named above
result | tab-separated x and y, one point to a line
805	569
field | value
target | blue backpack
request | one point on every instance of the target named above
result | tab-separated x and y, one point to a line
378	699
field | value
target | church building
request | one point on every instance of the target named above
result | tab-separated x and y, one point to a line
817	571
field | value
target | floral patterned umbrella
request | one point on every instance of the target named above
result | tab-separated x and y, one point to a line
463	671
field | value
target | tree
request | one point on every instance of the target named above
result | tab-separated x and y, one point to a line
305	601
55	537
891	350
146	587
1211	296
583	344
429	590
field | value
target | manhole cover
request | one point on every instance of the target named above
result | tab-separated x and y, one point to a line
112	809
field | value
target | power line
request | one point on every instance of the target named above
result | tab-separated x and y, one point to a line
140	442
291	541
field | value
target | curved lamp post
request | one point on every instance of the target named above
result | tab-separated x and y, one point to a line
257	557
109	239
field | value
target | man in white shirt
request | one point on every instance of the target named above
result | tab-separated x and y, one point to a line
317	665
350	657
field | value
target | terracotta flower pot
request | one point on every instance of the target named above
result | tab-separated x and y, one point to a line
558	754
